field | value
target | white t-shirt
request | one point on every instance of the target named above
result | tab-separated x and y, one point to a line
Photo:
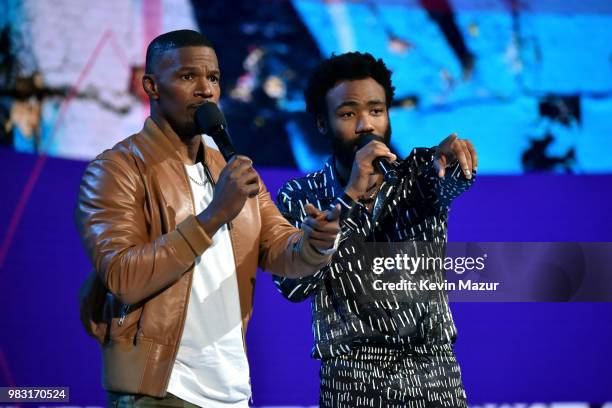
211	367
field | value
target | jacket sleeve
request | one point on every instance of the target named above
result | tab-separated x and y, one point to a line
291	207
438	192
112	225
354	216
283	249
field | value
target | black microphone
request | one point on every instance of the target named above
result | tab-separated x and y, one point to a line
380	163
210	120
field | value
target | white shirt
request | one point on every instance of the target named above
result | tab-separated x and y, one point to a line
211	368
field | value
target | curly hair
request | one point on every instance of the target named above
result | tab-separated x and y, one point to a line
345	67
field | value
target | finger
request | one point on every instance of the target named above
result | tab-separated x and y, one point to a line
468	159
376	144
380	150
311	210
331	228
321	244
371	144
237	160
449	140
460	153
472	150
252	190
243	168
322	227
314	234
334	214
243	158
441	165
311	222
307	229
460	156
248	177
237	168
366	162
386	153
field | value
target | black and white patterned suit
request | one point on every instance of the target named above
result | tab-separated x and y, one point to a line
377	353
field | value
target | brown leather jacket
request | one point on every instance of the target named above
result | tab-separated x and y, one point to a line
135	215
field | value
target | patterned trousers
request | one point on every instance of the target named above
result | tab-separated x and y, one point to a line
383	377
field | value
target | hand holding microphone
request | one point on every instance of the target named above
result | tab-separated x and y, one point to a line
369	165
380	163
238	180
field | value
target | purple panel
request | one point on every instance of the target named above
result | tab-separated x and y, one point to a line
41	335
559	208
509	352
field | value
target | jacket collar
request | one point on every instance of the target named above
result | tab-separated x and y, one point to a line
331	181
165	146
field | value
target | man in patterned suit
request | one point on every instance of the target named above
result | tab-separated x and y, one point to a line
373	353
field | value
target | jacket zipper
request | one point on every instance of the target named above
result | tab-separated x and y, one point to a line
122	314
186	303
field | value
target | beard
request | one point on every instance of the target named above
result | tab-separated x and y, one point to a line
186	128
345	152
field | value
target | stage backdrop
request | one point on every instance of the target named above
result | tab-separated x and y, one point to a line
530	82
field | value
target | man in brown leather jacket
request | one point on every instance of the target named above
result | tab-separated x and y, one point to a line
137	214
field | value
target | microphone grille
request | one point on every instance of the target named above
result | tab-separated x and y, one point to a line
209	118
367	138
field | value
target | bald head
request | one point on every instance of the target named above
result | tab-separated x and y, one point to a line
171	41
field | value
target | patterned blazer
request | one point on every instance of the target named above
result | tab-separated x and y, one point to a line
411	208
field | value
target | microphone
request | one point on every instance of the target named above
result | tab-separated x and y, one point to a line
380	163
210	120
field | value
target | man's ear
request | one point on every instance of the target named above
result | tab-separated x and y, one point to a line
149	86
322	124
